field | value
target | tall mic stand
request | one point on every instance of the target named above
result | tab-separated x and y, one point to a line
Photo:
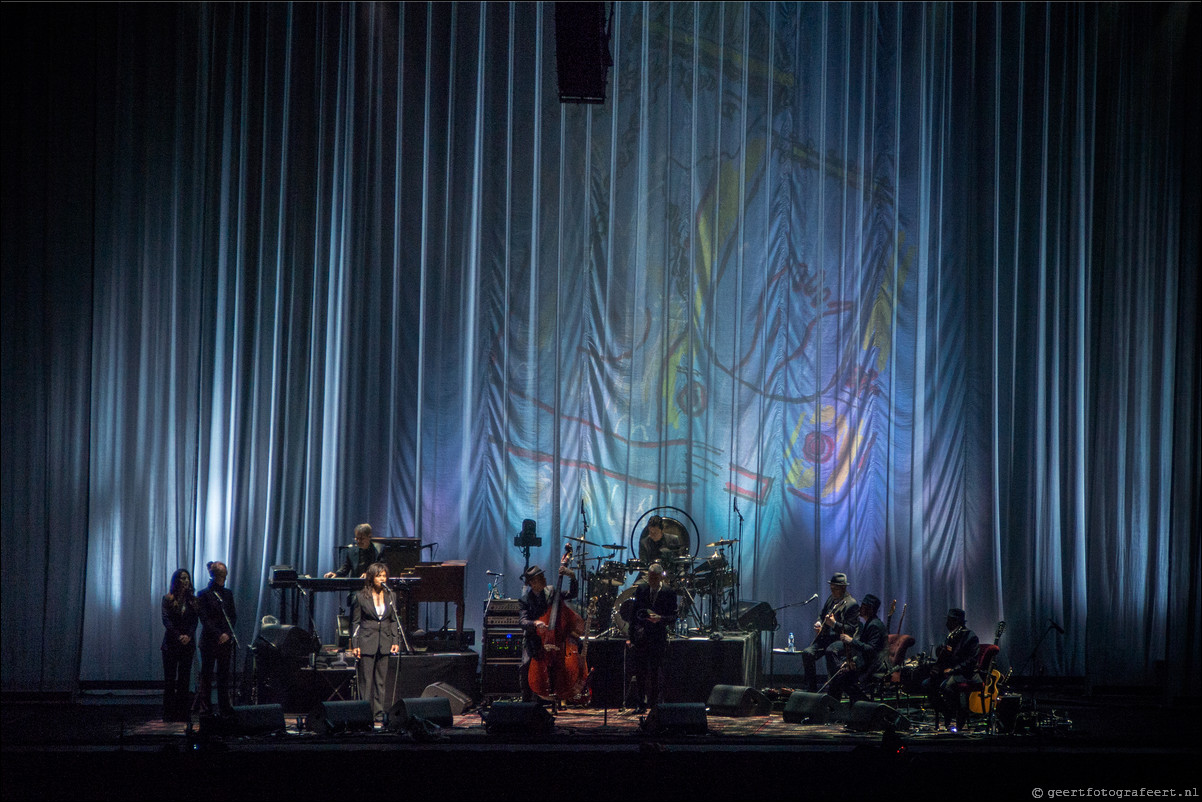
772	638
396	671
233	655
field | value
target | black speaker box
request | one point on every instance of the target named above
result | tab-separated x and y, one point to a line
737	701
434	709
865	716
677	718
757	617
245	720
458	700
336	717
808	708
530	718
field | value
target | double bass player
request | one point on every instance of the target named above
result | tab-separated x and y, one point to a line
534	605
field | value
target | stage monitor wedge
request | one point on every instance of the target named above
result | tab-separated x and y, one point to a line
808	708
737	701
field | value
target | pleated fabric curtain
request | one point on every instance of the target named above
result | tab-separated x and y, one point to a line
900	290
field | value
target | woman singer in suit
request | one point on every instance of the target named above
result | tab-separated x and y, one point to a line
374	636
180	617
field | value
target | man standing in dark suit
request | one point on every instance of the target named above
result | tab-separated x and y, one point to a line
840	615
865	653
215	604
654	611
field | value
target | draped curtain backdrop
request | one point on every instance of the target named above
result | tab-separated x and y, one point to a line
911	286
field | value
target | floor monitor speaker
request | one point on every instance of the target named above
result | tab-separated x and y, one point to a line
677	718
808	708
737	701
459	700
432	709
529	718
330	718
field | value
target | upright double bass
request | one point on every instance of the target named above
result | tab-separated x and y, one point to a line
560	671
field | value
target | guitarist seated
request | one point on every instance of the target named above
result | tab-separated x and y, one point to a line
866	655
956	662
839	616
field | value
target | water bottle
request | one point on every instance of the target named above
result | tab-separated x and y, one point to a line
792	647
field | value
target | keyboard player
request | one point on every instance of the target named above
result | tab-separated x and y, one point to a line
359	556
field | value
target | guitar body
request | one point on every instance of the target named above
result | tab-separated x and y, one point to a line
983	702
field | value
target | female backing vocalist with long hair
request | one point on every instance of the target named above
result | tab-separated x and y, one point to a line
180	617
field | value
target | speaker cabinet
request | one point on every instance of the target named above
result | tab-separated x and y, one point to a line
757	617
737	701
434	709
245	720
865	716
808	708
458	700
331	718
678	718
287	641
529	718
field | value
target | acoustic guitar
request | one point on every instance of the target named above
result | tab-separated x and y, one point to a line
983	702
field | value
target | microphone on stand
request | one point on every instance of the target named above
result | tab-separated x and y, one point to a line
494	573
807	601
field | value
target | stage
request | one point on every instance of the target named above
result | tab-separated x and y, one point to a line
113	746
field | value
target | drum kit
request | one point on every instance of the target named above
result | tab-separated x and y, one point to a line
694	579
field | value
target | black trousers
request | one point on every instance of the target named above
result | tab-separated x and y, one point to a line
215	658
647	660
177	676
373	681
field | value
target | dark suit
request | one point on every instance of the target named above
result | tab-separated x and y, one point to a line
649	639
868	652
534	606
827	643
374	633
218	617
178	620
960	654
355	563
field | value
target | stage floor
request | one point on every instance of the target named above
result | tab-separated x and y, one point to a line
114	747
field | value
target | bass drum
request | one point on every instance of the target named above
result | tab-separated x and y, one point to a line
623	611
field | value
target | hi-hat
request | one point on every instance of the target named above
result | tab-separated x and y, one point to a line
719	543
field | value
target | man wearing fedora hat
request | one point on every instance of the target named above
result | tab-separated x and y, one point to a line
840	615
865	655
533	605
955	664
653	612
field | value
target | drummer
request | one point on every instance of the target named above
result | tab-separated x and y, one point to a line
657	545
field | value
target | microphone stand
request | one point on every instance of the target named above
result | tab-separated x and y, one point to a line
772	638
396	671
233	654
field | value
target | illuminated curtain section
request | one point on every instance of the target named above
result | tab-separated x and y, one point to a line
904	291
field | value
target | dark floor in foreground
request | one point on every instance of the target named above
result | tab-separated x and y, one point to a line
114	747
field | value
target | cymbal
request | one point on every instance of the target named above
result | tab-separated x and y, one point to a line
614	546
720	543
586	542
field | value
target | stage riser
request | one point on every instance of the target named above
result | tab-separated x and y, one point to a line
691	667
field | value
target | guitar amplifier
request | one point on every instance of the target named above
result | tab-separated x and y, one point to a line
502	613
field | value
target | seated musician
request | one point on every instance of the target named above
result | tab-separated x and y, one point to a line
865	655
654	612
533	605
839	616
358	559
658	546
955	663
